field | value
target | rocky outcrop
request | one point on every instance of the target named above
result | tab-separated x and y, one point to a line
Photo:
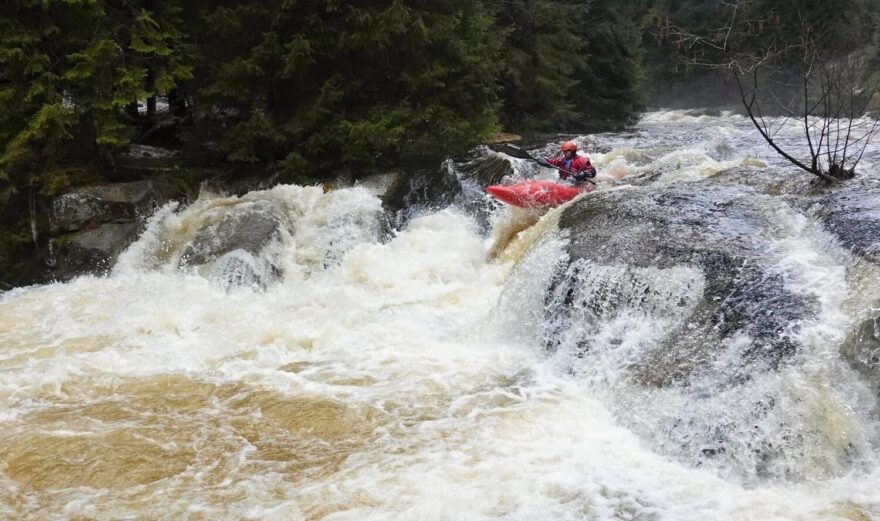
264	236
421	189
94	250
229	247
93	205
677	305
862	346
247	228
769	181
852	212
733	300
90	226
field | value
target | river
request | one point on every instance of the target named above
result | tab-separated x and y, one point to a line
351	373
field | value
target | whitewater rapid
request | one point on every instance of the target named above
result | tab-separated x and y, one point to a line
397	377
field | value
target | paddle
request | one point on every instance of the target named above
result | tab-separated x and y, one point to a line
520	153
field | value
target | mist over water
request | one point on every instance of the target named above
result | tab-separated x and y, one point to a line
445	371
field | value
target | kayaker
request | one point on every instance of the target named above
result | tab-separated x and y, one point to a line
580	167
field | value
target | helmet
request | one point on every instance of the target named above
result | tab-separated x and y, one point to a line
569	146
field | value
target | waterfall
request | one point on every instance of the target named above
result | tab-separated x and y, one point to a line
668	347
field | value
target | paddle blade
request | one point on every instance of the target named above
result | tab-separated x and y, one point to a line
514	151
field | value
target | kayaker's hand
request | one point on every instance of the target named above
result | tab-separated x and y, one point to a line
542	161
585	174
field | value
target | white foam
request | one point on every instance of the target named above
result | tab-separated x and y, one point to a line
477	422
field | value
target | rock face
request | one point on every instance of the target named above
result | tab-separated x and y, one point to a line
230	250
262	237
92	225
862	347
703	248
94	250
852	213
421	189
678	306
249	229
102	204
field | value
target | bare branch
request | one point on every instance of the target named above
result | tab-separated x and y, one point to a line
828	100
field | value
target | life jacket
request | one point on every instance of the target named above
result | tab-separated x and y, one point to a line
579	166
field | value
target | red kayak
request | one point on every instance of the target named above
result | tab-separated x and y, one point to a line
536	194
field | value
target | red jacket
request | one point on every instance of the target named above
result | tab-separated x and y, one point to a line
580	166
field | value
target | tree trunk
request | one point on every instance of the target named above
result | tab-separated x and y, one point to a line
132	110
151	86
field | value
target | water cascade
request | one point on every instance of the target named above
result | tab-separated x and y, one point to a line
668	347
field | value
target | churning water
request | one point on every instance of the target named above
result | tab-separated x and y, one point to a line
341	373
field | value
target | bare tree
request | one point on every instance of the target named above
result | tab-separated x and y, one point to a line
824	90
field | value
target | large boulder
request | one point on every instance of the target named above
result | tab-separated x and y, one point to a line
695	254
852	212
94	250
422	189
91	205
228	243
862	346
677	305
259	238
246	228
89	226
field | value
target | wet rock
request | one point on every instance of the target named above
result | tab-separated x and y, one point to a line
381	185
239	182
743	306
230	243
862	347
852	212
102	204
769	181
421	190
89	206
89	226
94	250
485	169
247	227
674	307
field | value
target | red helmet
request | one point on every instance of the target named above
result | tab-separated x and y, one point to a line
569	146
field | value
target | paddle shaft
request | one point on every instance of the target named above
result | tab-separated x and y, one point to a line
564	171
515	151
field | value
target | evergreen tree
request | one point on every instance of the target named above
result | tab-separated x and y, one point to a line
69	67
607	93
569	65
543	56
319	85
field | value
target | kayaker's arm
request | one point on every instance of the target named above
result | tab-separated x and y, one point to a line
563	173
520	153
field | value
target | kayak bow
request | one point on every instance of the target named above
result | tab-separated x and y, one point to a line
536	194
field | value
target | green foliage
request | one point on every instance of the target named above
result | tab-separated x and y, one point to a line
569	66
308	86
544	56
608	92
358	85
68	69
